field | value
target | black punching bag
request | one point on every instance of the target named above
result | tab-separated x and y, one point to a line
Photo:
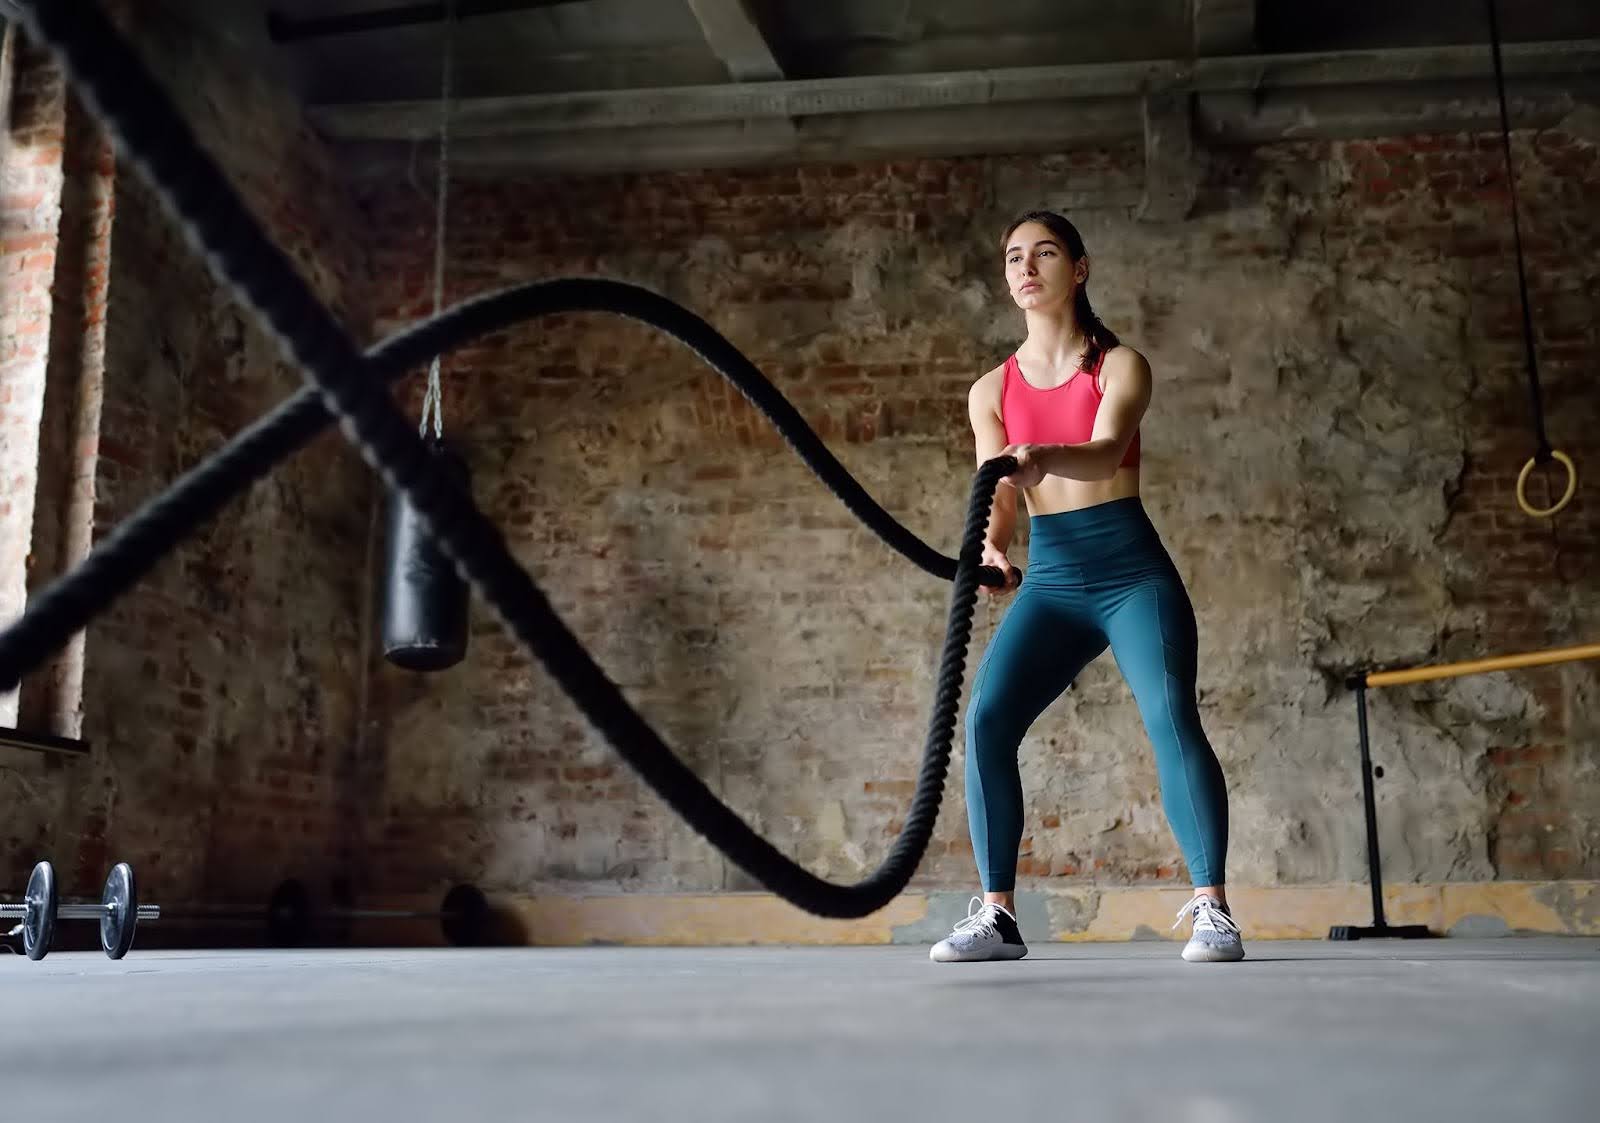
425	601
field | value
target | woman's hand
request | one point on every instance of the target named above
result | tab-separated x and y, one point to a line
993	555
1030	470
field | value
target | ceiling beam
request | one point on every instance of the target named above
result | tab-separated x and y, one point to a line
1173	106
1223	27
1219	28
736	38
1171	174
287	29
835	139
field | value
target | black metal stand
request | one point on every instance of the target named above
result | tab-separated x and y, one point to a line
1379	927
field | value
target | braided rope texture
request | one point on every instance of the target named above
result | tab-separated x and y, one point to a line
352	387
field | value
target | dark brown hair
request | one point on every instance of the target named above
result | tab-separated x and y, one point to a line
1101	338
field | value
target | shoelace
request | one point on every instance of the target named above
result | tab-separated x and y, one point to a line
982	919
1207	914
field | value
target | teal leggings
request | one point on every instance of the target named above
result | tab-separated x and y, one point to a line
1097	576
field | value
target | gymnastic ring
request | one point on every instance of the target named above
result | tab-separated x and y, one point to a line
1522	485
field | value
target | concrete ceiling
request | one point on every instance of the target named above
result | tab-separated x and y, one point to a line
619	84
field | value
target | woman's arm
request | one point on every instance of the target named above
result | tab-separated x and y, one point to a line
989	438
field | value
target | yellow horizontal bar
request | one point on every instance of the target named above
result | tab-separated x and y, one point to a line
1481	666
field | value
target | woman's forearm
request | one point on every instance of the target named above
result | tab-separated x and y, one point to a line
1092	460
1002	518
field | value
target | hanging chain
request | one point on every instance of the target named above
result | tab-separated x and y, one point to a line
433	402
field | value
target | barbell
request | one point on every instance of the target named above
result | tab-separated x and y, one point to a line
291	918
118	912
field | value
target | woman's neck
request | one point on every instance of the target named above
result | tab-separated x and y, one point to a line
1054	339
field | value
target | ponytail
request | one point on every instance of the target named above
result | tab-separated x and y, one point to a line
1101	338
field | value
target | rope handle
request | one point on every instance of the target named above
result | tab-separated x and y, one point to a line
1522	485
990	575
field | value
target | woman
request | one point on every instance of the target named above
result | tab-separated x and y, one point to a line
1067	405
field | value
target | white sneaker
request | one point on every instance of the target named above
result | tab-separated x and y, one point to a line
1215	938
989	932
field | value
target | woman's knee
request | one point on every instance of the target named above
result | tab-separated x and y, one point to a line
989	729
1172	719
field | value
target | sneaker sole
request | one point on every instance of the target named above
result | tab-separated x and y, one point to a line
1003	952
1207	954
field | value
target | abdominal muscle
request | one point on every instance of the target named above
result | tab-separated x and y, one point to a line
1056	494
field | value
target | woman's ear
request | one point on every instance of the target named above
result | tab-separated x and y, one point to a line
1082	269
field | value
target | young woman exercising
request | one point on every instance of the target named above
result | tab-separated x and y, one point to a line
1067	405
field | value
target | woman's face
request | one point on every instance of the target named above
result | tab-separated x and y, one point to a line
1039	273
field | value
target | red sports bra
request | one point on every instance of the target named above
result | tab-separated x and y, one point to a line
1061	415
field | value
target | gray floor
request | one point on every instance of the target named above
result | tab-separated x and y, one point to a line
1448	1029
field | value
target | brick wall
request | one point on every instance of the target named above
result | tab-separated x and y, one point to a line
223	696
1337	423
1526	741
1340	414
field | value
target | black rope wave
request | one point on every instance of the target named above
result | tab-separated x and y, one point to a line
353	387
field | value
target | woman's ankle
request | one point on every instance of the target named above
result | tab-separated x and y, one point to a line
1007	901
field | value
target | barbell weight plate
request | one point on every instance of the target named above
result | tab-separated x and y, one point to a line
465	916
39	922
119	922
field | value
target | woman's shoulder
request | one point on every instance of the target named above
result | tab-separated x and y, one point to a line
990	382
1126	366
986	390
1123	360
1123	355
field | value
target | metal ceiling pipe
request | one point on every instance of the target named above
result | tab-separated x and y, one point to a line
1323	74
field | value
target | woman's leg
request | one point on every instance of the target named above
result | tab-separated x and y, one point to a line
1041	646
1155	642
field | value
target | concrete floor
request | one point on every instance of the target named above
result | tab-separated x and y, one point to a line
1448	1029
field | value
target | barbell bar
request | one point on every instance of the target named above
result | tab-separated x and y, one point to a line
291	916
79	912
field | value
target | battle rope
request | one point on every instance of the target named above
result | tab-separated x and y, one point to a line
148	131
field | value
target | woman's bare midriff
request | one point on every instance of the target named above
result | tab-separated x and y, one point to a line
1056	494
